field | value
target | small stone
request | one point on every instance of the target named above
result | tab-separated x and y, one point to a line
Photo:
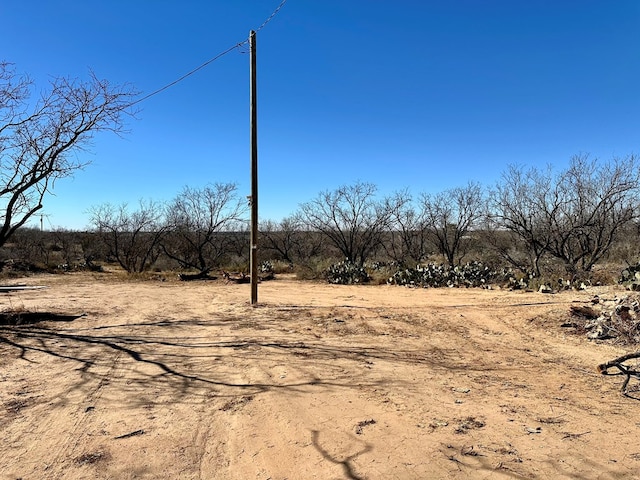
461	390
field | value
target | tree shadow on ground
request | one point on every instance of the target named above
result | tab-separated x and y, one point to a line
157	355
176	357
346	463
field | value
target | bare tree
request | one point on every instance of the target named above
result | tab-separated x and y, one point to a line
200	222
575	215
450	216
93	249
31	246
289	240
595	201
350	218
280	238
407	241
67	242
517	208
39	143
509	247
133	238
237	246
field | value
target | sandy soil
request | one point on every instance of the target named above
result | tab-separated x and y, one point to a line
171	380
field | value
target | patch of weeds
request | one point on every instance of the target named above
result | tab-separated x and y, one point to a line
236	403
469	451
14	406
506	449
92	457
551	420
363	424
468	423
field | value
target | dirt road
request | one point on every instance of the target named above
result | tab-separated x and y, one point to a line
179	380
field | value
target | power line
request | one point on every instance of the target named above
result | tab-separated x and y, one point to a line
211	60
169	85
275	12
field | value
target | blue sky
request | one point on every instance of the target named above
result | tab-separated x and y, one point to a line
425	95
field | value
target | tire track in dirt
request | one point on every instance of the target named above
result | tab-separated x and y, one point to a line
270	434
323	382
74	404
78	443
488	337
296	418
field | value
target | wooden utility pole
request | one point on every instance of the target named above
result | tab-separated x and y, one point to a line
254	169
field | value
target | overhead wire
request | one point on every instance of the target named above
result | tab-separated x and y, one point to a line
169	85
211	60
275	12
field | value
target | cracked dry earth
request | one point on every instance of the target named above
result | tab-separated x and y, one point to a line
188	381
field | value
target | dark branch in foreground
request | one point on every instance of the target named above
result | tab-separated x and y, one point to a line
625	370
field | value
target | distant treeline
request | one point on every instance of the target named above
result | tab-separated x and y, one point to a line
537	222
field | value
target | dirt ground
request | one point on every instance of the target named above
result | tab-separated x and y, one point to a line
185	380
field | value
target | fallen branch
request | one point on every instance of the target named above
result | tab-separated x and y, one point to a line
236	278
574	435
625	370
584	311
186	277
130	434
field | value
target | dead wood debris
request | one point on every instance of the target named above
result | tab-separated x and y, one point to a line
92	457
616	318
627	371
363	424
584	311
469	451
468	423
573	435
241	277
552	420
189	277
236	403
130	434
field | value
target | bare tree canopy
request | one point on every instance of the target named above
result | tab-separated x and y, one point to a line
350	218
281	238
574	215
289	240
515	209
407	242
198	220
132	237
450	215
39	139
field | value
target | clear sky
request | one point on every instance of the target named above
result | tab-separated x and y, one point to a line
425	95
